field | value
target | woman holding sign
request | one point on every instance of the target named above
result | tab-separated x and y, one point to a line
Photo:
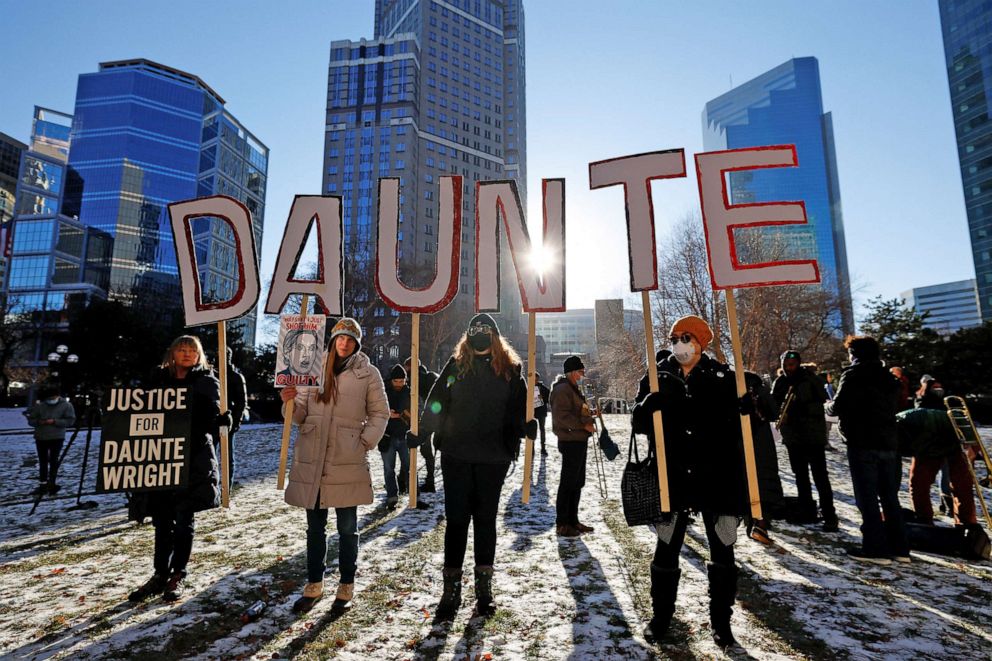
476	413
705	471
172	510
338	425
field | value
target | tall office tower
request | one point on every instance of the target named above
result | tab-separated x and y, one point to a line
57	264
967	28
949	306
784	106
10	164
146	135
439	91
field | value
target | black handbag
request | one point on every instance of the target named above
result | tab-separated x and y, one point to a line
639	488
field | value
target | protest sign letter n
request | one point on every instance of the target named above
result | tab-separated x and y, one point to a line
238	218
325	213
636	174
444	286
539	291
721	219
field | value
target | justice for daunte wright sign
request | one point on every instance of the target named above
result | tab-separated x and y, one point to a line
145	441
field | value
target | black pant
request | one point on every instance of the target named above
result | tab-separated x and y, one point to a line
666	556
427	452
541	414
471	495
573	478
173	539
230	456
811	458
48	458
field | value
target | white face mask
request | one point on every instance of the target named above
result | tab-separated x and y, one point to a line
52	400
683	351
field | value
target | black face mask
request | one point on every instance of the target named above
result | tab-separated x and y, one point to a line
480	341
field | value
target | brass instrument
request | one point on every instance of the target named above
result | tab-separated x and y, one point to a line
964	427
784	411
597	455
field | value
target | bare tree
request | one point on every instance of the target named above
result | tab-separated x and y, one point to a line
621	360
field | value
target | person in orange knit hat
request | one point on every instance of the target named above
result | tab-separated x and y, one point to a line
703	449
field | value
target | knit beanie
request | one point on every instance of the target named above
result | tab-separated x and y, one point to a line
397	372
347	326
483	319
696	327
573	363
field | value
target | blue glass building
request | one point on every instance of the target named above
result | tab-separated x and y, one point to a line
967	29
785	106
438	91
145	135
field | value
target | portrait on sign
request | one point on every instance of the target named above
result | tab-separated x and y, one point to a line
300	350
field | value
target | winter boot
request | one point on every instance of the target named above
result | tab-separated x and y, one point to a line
428	485
175	586
451	597
153	586
664	588
312	592
831	523
723	591
484	605
342	600
52	488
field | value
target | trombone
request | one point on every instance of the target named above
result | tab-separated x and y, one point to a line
600	467
783	412
968	436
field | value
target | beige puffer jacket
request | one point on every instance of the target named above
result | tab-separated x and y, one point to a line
330	451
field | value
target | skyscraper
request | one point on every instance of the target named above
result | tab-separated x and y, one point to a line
967	28
145	135
438	91
785	106
10	165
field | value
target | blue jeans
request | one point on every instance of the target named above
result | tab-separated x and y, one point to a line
317	543
397	446
876	475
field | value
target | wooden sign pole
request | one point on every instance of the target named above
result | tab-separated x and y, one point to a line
659	433
414	403
749	461
225	472
287	423
531	384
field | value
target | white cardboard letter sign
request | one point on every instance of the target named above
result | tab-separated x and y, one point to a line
443	288
539	292
636	174
720	219
238	218
325	211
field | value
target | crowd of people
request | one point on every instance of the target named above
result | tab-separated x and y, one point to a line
474	414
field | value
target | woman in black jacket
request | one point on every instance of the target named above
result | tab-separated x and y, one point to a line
172	510
703	451
476	413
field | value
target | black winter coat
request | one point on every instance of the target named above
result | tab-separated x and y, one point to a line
203	490
866	403
926	433
477	417
703	445
399	401
804	422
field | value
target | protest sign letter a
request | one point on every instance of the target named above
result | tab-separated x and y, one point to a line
636	174
539	292
721	219
238	218
444	286
324	211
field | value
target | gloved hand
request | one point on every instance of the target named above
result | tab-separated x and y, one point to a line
384	443
224	420
746	404
530	429
413	440
653	401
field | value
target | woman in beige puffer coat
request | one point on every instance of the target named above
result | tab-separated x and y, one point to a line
338	425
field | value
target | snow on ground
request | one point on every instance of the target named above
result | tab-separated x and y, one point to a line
64	577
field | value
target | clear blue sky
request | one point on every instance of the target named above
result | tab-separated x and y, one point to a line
600	83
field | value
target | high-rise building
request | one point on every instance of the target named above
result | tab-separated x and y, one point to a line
57	264
10	166
145	135
438	91
950	306
785	106
967	28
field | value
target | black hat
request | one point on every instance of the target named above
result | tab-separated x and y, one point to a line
573	363
397	372
790	354
483	319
